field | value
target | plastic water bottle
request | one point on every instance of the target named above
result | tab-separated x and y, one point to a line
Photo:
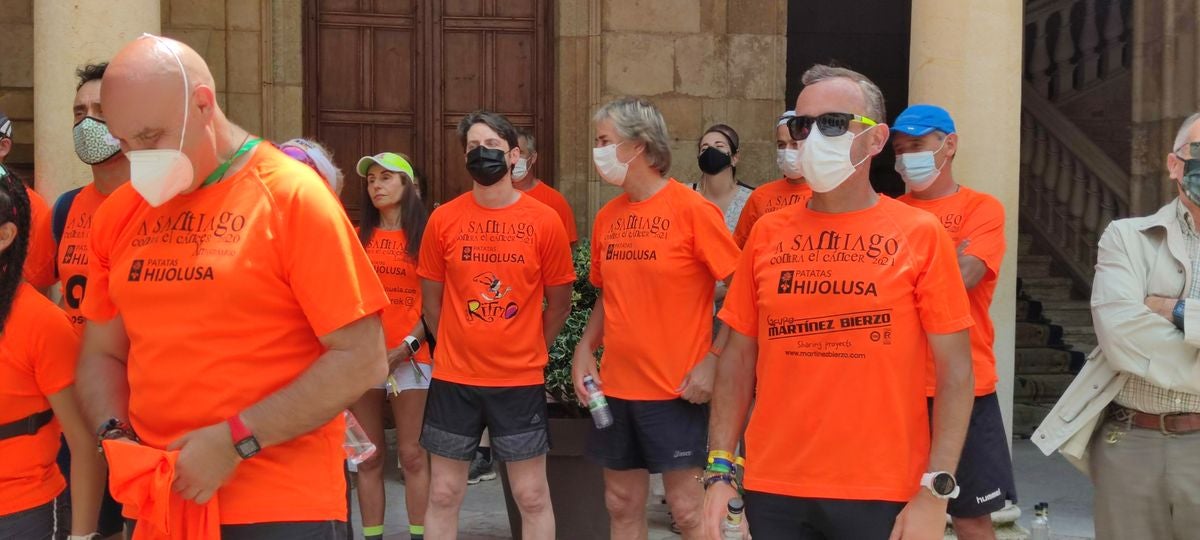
597	403
357	445
732	528
1041	522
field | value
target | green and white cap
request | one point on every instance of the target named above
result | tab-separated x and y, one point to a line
387	160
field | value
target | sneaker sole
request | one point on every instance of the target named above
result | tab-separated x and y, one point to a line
482	478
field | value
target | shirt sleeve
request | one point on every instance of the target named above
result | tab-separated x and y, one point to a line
740	310
711	241
746	221
558	266
596	273
97	302
431	260
986	235
942	301
328	270
39	263
56	355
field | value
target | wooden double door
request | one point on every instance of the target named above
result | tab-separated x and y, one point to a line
398	75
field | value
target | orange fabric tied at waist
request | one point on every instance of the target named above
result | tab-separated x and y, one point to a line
140	478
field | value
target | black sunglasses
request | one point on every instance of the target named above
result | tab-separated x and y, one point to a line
832	124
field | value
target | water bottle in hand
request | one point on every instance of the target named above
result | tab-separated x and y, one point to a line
357	445
731	529
601	414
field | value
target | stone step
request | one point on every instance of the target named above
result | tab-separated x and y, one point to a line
1033	266
1067	304
1069	317
1033	335
1046	360
1041	388
1024	243
1048	293
1078	333
1027	417
1029	311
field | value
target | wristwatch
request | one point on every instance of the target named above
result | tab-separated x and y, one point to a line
1177	313
941	483
243	441
114	429
413	343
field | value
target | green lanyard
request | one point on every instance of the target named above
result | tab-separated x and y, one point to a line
221	170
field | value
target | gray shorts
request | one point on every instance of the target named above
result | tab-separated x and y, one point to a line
515	417
50	521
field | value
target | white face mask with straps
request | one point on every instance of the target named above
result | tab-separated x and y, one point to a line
160	174
825	161
610	167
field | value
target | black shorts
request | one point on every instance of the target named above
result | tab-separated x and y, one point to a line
659	436
515	416
778	516
985	472
284	530
50	521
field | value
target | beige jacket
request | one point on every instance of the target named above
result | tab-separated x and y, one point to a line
1138	257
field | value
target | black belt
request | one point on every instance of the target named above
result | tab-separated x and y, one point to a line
26	426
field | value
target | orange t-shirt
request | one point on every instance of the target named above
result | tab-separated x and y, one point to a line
39	261
73	251
224	293
768	198
555	200
398	272
656	261
38	351
494	264
841	305
978	217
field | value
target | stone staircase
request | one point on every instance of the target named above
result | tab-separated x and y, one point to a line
1053	335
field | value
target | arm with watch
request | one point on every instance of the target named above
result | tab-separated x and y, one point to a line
732	394
925	514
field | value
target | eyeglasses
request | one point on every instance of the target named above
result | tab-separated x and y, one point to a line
831	124
1193	151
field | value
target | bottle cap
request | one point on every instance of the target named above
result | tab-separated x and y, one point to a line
736	505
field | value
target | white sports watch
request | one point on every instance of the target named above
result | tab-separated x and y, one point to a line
941	484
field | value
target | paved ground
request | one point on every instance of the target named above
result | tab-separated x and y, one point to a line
1039	479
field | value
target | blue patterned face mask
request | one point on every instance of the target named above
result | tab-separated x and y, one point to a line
1190	181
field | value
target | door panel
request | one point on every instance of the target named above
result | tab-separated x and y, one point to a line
391	75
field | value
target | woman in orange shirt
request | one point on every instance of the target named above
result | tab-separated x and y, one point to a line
390	228
38	350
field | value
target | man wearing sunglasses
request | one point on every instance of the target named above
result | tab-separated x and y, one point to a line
1132	416
926	144
835	306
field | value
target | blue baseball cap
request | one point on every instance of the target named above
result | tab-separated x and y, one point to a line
922	119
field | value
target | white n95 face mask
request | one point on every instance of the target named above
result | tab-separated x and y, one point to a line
609	165
788	161
825	161
158	175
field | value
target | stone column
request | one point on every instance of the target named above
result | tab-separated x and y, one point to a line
65	36
966	57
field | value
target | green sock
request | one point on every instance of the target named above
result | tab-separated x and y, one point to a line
416	532
373	533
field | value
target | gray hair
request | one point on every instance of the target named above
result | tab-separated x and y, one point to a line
637	119
530	140
1181	137
872	96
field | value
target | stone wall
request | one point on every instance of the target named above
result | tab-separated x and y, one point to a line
230	36
701	61
237	38
16	75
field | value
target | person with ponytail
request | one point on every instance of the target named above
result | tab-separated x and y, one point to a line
390	227
38	349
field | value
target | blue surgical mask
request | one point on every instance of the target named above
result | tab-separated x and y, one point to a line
919	169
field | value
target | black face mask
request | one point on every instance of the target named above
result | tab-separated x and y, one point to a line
487	165
713	160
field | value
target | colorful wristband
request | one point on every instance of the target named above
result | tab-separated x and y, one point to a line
728	456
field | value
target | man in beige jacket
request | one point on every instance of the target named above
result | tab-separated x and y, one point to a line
1131	419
